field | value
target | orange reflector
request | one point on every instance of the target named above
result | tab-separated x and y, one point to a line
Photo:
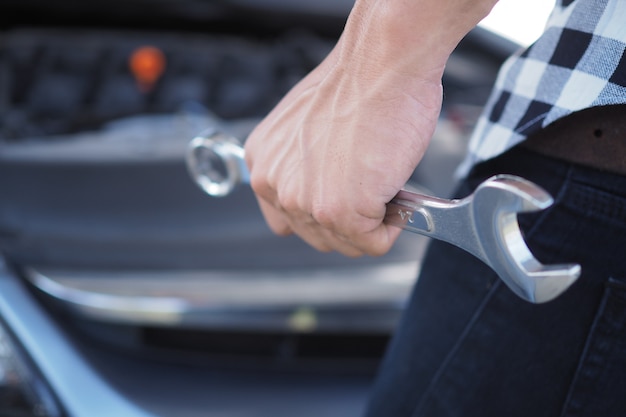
147	65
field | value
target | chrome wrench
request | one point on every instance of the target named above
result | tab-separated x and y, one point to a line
484	223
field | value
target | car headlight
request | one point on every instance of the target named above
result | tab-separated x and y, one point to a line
23	393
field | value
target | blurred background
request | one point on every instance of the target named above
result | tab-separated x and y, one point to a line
124	290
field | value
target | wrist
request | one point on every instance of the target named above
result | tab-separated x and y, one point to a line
413	36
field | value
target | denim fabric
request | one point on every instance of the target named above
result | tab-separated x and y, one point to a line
467	346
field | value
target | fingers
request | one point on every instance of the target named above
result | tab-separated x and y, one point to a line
275	219
323	238
283	223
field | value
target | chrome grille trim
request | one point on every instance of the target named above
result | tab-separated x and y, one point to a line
302	300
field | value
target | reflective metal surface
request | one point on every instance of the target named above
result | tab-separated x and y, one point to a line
80	390
366	298
484	224
216	162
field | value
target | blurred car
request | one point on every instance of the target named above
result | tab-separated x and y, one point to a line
126	291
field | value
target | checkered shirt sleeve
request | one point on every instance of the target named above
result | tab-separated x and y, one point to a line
578	62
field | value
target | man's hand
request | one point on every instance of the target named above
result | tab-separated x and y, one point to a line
342	143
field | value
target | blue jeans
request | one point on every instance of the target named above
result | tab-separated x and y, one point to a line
467	346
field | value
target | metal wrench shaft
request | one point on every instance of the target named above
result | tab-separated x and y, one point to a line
484	223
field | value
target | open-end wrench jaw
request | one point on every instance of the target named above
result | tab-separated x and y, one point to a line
496	203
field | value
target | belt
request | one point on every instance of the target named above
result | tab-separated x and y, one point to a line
594	137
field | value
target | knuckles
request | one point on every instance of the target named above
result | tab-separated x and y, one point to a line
327	215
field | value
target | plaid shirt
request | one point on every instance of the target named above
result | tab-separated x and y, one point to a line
578	62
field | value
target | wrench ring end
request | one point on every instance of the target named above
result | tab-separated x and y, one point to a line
216	163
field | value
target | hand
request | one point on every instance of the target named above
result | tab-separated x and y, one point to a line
342	143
